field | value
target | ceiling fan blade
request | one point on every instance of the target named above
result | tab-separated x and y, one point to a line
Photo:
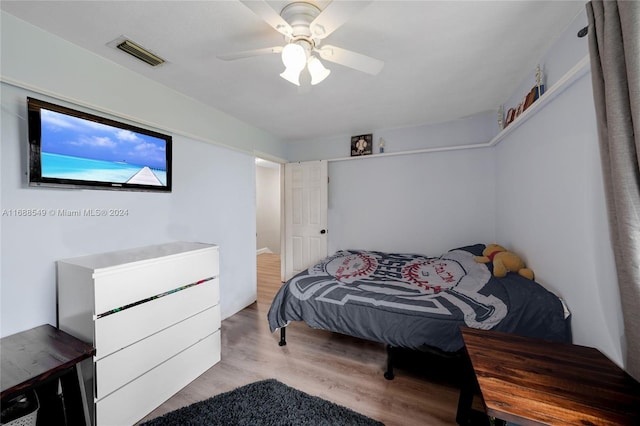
250	53
350	59
333	16
270	16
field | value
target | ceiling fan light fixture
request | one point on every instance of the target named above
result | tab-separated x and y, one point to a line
294	57
317	70
291	75
304	27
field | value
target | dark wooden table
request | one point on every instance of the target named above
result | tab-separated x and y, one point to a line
536	382
35	358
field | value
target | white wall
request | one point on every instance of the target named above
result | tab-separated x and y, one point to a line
426	203
423	203
552	207
552	211
478	128
213	198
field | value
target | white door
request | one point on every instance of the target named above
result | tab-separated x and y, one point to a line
305	204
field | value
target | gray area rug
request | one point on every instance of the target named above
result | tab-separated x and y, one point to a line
267	402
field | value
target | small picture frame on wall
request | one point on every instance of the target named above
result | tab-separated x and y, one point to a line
361	145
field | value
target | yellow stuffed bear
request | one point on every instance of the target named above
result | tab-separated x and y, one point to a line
503	261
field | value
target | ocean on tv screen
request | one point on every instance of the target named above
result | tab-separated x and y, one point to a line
76	168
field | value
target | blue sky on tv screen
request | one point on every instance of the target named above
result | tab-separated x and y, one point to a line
77	137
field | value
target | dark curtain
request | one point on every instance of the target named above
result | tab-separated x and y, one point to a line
614	47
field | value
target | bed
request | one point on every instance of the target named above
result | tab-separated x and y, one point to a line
416	302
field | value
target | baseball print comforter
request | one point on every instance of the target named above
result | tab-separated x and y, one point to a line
413	301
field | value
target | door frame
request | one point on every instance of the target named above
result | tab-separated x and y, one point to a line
283	232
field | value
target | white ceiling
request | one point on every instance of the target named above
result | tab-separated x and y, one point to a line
443	59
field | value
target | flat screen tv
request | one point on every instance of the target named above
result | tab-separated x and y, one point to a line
71	148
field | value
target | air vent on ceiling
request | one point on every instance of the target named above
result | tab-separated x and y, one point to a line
140	52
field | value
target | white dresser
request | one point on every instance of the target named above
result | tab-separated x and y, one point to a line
152	314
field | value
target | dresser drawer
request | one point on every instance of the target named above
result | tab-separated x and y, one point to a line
132	402
121	367
123	328
122	285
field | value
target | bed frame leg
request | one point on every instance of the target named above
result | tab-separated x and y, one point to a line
283	338
389	373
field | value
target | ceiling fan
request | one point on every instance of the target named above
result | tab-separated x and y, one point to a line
304	27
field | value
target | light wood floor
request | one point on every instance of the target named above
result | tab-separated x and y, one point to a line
345	370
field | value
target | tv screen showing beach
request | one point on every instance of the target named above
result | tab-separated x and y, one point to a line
74	148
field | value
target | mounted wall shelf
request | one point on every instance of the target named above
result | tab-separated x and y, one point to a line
566	81
574	74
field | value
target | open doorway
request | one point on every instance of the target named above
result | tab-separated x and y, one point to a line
268	207
269	224
297	192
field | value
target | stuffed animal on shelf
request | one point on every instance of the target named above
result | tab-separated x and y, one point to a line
503	261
